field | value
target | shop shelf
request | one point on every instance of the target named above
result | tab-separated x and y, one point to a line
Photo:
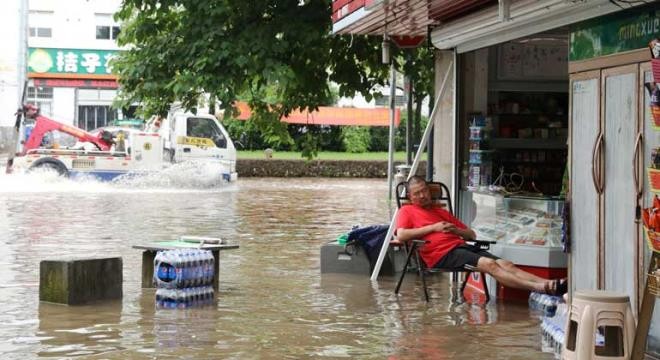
516	143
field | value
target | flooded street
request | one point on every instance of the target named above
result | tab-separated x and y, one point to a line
272	301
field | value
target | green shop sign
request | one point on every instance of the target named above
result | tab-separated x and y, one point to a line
70	61
613	34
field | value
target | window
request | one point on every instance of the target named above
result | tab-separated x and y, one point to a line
206	128
40	24
42	97
40	32
104	32
106	28
91	117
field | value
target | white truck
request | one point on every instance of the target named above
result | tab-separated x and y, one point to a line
108	153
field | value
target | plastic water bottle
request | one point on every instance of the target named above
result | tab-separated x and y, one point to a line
166	297
532	300
160	271
184	268
204	296
172	269
209	295
159	298
551	307
204	268
199	268
164	270
210	266
187	269
192	281
178	269
544	303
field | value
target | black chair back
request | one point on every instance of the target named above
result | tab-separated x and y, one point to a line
439	194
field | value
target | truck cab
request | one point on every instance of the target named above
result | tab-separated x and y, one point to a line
194	137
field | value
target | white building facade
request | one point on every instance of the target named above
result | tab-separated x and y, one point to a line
69	48
13	17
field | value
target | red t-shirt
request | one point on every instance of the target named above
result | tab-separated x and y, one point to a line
438	243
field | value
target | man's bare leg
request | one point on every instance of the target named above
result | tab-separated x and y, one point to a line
510	267
491	267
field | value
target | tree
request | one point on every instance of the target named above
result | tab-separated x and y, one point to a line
277	55
421	70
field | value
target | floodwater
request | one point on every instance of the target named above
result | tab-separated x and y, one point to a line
272	303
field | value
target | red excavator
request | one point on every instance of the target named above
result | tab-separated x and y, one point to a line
43	125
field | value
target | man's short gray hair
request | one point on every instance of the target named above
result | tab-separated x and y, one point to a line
415	179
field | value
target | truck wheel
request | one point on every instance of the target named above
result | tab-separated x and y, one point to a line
52	165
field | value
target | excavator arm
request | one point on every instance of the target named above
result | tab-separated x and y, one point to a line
44	125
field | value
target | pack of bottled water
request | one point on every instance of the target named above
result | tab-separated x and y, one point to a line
184	278
554	312
184	298
553	330
543	303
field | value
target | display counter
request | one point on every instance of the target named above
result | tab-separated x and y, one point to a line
528	230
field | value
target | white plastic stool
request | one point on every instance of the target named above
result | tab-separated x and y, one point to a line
600	326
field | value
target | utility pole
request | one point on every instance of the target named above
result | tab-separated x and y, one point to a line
408	86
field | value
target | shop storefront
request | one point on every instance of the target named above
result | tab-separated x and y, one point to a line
514	152
546	125
73	86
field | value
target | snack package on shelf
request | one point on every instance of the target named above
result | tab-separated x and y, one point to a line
654	46
651	219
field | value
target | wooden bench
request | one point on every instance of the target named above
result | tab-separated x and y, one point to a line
150	249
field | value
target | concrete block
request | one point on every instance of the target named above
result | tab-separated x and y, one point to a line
335	259
80	281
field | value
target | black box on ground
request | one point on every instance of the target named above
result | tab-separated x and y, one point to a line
336	258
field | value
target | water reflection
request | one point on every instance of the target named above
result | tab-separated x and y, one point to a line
79	330
272	300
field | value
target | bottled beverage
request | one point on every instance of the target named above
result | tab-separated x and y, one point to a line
180	298
163	269
192	255
210	268
534	298
204	296
543	303
197	260
173	268
551	306
209	295
185	268
166	298
159	298
178	261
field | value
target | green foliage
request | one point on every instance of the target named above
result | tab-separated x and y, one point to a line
356	138
400	133
277	55
380	138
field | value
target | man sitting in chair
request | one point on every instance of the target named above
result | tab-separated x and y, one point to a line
445	246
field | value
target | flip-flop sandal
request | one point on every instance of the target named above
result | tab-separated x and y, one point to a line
557	287
562	287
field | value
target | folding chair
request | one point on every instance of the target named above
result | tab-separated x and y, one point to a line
477	291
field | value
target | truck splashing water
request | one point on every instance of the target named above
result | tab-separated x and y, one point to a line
112	152
187	175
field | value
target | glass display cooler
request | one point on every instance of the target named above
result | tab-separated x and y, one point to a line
528	231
